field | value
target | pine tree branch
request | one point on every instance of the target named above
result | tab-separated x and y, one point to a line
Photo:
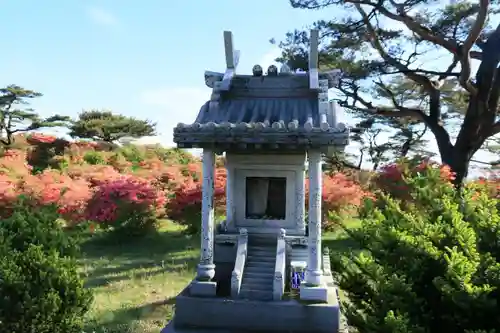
442	75
421	31
465	58
461	52
398	111
423	80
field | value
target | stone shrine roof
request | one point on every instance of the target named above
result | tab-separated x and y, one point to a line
285	110
274	110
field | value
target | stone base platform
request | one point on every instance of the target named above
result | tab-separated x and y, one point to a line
222	315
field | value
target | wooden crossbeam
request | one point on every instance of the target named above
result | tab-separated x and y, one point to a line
229	49
232	60
313	60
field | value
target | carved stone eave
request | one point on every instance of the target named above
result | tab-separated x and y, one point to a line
291	129
219	147
273	140
212	77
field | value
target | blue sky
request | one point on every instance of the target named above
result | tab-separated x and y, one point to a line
142	59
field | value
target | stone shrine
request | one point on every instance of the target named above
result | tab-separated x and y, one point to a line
272	127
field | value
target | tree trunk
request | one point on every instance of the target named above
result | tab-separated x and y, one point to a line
475	129
459	164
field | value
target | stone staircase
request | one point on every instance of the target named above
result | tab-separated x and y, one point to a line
258	275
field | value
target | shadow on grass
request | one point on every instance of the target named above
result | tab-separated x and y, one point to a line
101	277
341	245
108	260
122	320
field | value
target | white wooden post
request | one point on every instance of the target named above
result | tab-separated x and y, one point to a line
313	273
313	60
206	267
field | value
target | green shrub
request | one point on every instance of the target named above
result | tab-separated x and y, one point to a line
134	221
40	286
94	158
132	153
429	266
41	292
40	226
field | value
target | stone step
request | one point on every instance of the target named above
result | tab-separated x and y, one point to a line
258	287
262	248
256	258
271	242
262	244
259	281
259	270
256	295
259	253
257	236
262	264
259	275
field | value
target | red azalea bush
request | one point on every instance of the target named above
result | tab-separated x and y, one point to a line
14	164
94	174
340	195
53	187
115	187
9	191
49	187
391	177
37	138
128	204
489	184
43	149
184	204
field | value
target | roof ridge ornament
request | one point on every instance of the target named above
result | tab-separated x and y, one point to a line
257	70
272	70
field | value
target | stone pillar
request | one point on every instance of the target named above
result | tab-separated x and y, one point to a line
206	267
229	197
314	273
301	202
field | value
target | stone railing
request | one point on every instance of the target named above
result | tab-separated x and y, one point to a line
327	271
239	264
279	269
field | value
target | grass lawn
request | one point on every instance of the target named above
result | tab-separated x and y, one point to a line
135	283
338	241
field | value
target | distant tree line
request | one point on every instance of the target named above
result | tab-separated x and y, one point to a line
16	116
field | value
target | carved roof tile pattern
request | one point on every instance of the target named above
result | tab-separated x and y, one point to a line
282	109
266	111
